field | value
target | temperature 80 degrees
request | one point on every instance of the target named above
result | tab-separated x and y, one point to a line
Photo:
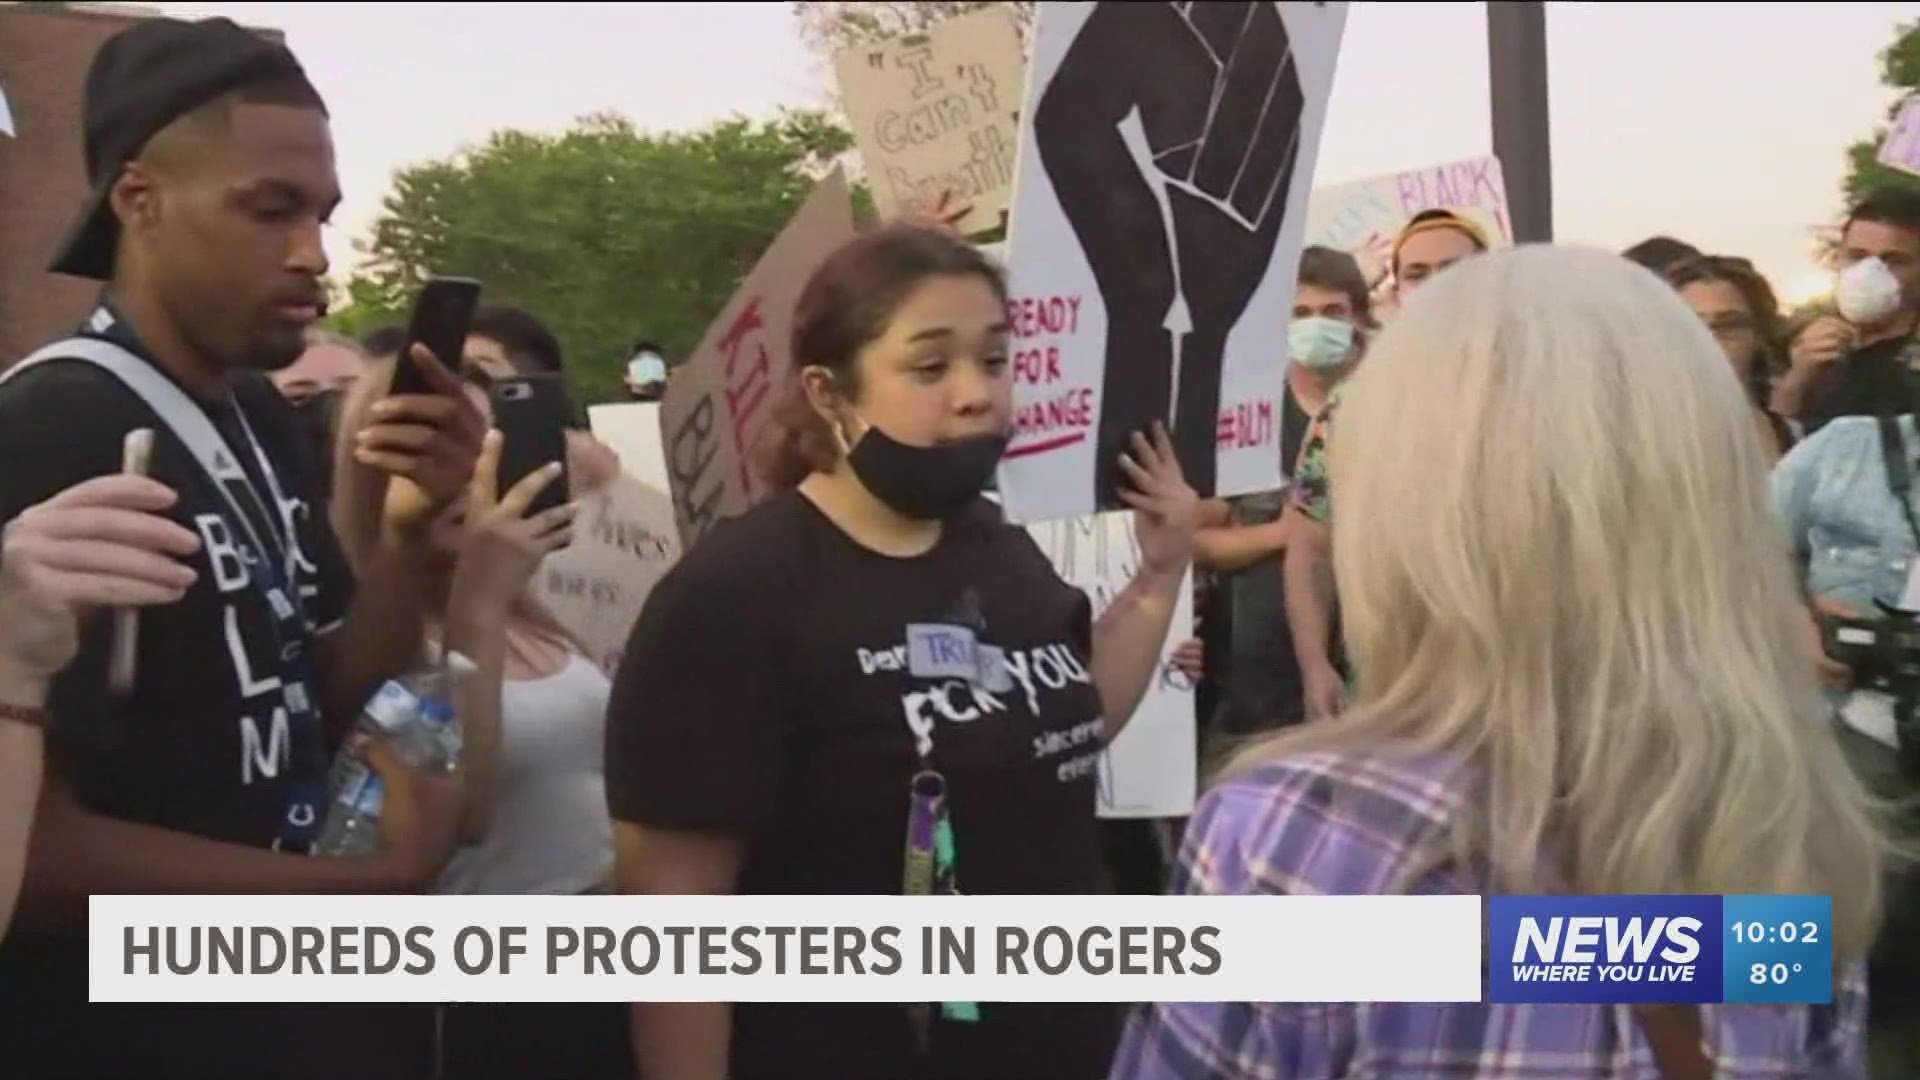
1773	974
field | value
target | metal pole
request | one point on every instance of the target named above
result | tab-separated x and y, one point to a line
1517	57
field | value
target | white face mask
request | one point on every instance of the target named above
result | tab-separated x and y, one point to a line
1319	343
1867	292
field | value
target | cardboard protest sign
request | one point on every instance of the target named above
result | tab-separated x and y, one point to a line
1155	237
1364	216
938	113
1152	769
632	430
623	543
718	402
1901	148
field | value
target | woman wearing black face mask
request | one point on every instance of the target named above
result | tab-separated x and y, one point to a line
871	646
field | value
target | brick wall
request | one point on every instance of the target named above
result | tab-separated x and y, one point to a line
43	67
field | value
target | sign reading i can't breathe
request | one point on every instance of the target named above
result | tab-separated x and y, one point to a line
936	114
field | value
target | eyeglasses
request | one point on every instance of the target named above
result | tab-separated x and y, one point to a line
1732	326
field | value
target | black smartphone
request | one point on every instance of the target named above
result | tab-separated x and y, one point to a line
441	316
531	414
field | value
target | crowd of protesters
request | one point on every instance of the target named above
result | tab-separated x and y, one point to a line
1597	520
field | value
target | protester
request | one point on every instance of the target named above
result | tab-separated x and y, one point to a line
1845	500
506	341
316	385
1581	674
1241	543
532	718
212	172
646	374
331	363
501	342
1738	308
1429	243
1853	360
102	543
769	720
1661	254
1432	241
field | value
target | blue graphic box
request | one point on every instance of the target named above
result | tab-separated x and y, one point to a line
1604	949
1660	949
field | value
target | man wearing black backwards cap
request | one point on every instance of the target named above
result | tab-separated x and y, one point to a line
213	173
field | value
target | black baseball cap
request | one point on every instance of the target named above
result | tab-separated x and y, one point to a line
142	79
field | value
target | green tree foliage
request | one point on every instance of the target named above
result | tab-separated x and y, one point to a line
828	26
1900	70
608	234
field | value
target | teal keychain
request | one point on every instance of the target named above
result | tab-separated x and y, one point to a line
930	870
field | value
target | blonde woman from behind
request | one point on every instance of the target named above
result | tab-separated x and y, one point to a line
1582	671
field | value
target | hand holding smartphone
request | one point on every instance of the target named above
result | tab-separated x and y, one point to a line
442	315
530	412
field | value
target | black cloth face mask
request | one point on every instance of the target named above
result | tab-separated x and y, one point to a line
926	483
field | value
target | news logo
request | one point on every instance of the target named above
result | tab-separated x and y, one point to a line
1660	949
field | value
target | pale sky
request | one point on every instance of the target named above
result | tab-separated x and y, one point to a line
1722	124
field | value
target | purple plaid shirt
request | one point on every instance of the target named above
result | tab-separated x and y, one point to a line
1349	824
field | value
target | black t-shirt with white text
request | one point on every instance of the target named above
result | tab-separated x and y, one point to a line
767	692
203	742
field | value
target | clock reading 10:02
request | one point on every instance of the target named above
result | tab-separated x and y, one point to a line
1778	949
1787	933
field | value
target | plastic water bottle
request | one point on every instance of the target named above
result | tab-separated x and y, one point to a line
413	715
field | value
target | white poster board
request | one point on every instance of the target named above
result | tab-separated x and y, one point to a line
624	542
1901	148
632	430
937	114
1155	238
1152	770
1364	216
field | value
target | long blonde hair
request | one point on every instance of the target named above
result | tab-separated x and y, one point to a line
1556	560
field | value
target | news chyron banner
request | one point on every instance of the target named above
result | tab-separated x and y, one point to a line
1660	949
784	948
1586	950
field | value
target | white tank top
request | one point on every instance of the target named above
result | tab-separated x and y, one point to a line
550	833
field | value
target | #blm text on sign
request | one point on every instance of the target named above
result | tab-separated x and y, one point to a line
937	114
719	403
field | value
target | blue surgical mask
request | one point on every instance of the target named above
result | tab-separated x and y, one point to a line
1319	343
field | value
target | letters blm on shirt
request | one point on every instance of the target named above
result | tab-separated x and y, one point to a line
264	737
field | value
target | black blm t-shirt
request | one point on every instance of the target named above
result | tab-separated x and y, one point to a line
766	691
195	749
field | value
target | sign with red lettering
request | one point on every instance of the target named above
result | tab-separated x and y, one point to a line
718	404
937	114
1364	216
1155	238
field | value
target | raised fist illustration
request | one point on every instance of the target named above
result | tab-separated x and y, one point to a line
1170	132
